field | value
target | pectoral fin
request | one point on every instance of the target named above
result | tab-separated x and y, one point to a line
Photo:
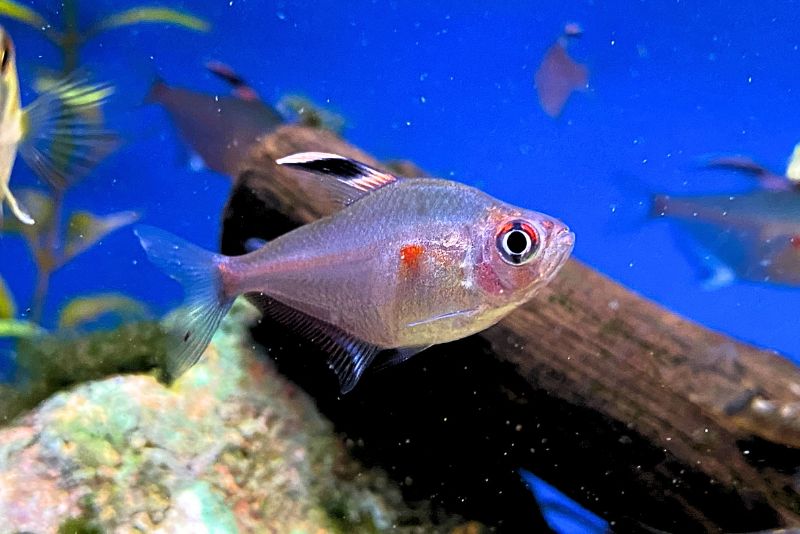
63	135
397	356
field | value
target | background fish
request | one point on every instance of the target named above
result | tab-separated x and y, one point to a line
559	75
756	235
406	263
221	129
790	179
60	135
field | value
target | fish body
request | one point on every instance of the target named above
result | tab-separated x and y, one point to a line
755	234
10	124
60	134
221	129
405	264
415	274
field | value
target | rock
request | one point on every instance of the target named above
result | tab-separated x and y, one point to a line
230	447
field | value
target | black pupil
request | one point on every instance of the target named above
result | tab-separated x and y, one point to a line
6	57
517	242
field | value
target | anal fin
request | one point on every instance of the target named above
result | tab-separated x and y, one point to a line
348	356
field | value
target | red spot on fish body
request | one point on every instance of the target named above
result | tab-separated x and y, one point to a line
795	241
410	255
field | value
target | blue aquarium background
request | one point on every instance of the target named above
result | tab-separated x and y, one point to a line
449	86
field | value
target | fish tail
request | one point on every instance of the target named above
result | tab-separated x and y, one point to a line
206	301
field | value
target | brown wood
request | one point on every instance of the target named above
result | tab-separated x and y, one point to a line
724	411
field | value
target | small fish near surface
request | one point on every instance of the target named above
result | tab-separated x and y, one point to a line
60	135
220	129
752	236
558	76
404	264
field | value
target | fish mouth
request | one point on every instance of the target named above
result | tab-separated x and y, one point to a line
565	239
561	246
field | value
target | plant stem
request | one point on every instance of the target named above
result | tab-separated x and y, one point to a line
71	39
47	256
40	294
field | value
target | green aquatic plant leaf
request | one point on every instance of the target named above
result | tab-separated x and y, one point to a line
7	307
82	310
17	11
85	229
17	328
150	14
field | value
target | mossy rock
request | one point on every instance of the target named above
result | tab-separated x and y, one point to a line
229	447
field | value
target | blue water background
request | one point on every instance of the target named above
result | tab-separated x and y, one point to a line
449	86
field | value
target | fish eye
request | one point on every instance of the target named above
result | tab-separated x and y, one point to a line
517	242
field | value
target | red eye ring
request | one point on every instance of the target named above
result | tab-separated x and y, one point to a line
517	242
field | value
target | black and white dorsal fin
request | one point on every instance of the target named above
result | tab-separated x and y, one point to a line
348	356
348	179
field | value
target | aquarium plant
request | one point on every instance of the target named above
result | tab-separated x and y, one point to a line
59	236
71	35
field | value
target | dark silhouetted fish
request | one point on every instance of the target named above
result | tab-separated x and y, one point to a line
752	236
559	75
220	129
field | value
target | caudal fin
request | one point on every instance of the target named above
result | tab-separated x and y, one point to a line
193	325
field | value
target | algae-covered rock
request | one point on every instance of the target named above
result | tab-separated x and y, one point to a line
230	447
51	362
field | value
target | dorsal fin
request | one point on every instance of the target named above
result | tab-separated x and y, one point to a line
348	356
347	179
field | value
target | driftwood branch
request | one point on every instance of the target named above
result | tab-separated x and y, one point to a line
644	417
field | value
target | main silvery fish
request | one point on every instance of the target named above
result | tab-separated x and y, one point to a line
405	264
60	135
